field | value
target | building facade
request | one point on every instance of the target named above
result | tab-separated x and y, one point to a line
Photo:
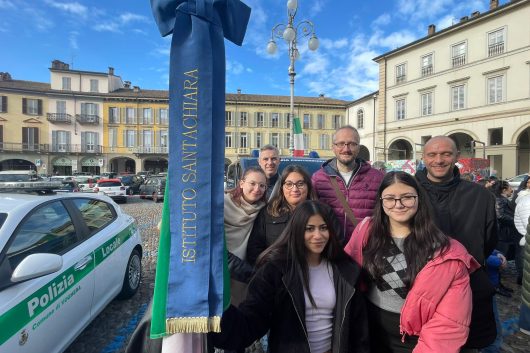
470	81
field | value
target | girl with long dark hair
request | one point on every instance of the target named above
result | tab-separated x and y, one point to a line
303	293
417	278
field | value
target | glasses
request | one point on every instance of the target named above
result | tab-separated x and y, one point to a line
253	184
406	201
299	185
347	144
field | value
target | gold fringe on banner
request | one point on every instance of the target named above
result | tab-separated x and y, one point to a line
193	325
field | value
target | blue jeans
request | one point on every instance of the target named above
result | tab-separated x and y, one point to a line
496	345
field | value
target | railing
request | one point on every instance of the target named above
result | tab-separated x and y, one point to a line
87	119
59	118
426	71
74	148
137	149
242	150
401	79
24	147
496	49
459	60
151	149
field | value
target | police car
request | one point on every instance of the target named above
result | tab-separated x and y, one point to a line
63	258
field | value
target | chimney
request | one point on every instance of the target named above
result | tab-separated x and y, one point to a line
127	84
136	89
5	76
494	4
475	14
59	65
111	71
431	30
321	96
464	19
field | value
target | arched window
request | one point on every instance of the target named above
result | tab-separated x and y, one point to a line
360	119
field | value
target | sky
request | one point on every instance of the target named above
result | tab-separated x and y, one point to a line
92	35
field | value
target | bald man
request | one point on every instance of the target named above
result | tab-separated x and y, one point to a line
466	212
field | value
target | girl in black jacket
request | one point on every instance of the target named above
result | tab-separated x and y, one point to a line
303	292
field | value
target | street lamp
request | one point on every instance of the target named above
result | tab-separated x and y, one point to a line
290	32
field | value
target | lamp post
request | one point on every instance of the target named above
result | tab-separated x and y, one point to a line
291	32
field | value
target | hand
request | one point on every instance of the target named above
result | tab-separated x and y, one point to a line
503	260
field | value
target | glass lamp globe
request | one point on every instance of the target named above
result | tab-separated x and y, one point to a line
272	47
292	4
289	33
313	43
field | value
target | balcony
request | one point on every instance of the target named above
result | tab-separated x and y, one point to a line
426	71
459	60
496	49
87	119
71	148
24	147
401	79
242	150
137	150
59	118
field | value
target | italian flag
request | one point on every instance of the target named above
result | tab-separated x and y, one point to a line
298	138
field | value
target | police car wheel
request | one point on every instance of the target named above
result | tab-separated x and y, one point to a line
133	274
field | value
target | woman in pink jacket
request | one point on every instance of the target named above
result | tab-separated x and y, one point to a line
416	278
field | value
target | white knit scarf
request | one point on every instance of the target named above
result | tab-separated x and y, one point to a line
238	224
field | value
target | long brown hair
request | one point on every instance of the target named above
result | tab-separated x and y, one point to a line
278	204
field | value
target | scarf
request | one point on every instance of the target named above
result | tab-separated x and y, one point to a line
239	221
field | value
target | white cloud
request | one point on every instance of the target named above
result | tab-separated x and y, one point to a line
6	4
131	17
74	8
234	67
318	65
107	27
73	39
382	20
317	6
391	41
333	44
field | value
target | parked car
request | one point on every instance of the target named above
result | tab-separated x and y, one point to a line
68	186
516	180
26	181
144	174
64	258
112	188
108	175
154	188
132	182
86	184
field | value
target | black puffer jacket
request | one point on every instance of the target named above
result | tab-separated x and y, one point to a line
275	302
505	211
266	230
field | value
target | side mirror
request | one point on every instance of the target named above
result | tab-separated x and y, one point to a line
36	265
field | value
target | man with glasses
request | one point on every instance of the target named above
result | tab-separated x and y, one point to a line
269	161
465	211
346	183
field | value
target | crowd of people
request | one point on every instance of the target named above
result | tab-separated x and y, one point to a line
352	259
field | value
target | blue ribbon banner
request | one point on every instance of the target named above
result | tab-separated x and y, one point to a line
189	280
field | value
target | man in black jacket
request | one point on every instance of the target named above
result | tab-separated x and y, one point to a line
466	212
269	161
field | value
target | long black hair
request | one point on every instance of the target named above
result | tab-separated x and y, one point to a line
290	247
278	204
420	246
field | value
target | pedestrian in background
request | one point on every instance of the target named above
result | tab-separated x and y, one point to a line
524	316
294	188
303	292
419	297
347	183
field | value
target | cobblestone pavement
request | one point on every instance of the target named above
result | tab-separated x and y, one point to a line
111	330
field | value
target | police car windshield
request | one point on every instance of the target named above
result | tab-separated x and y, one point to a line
15	177
3	217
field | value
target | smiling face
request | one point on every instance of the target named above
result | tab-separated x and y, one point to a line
349	139
440	156
399	212
316	237
269	161
298	191
254	186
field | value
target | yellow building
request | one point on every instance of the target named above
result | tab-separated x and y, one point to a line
253	120
135	130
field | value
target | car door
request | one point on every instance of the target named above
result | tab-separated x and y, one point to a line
45	314
108	232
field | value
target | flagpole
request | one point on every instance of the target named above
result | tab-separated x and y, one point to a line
290	32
